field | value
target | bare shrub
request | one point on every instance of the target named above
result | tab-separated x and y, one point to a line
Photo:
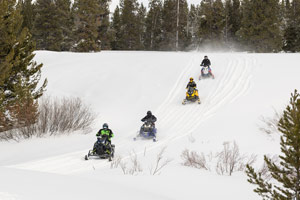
228	161
270	124
135	166
193	159
10	135
160	163
246	161
115	162
123	166
55	116
65	115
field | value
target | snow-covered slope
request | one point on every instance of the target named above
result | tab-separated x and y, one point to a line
121	87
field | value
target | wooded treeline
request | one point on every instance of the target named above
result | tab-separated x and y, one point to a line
88	25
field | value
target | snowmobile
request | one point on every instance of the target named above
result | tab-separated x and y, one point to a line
206	73
191	95
102	149
147	131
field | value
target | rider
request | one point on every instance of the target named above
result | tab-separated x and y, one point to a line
191	83
206	63
106	132
149	117
194	85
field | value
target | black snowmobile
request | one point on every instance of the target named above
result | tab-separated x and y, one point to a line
102	149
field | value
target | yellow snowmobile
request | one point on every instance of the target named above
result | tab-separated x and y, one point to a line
191	95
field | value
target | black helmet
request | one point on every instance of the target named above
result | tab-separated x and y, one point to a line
205	57
149	113
105	126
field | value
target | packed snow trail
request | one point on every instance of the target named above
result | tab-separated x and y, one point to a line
233	80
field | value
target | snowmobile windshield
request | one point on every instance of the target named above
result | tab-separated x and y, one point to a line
147	126
102	139
205	70
191	90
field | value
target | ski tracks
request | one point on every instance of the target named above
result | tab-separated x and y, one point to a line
233	80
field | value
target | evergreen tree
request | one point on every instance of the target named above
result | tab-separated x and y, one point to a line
218	22
292	30
129	29
232	21
175	25
28	14
287	172
116	27
87	25
212	22
228	26
19	73
205	22
260	26
154	25
193	25
47	32
66	24
103	29
169	25
141	27
184	38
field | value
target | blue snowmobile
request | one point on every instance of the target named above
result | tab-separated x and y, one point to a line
147	131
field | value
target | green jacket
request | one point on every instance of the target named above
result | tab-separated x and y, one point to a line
107	132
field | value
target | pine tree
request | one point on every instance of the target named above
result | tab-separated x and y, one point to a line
184	39
212	22
87	25
47	32
169	25
66	24
228	26
129	30
116	28
292	30
103	28
28	13
218	22
141	27
193	25
205	22
18	82
232	22
286	175
260	26
154	25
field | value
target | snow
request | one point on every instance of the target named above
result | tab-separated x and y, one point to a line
121	86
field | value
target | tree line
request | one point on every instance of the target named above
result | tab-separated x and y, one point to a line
88	25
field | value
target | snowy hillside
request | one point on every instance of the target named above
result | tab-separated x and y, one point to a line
121	87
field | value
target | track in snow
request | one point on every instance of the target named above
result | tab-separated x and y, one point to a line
232	81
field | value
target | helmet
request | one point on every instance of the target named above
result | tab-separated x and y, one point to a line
205	57
191	79
105	126
149	112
